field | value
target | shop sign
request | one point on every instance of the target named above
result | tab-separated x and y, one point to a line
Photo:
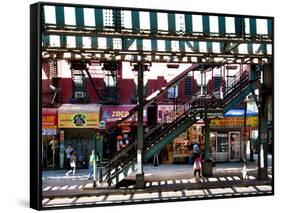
49	131
168	113
49	118
78	120
111	114
234	122
61	135
214	114
240	112
102	125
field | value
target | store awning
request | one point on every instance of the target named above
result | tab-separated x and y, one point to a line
79	116
49	118
240	112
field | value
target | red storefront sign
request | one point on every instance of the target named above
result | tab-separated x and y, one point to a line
167	113
49	118
112	113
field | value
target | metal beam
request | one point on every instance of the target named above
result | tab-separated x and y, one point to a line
153	57
116	15
214	37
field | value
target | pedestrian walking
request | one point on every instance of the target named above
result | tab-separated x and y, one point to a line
195	152
73	159
93	167
68	150
197	166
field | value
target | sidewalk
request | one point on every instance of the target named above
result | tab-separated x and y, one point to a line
166	177
184	189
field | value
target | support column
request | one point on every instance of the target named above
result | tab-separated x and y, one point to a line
140	174
263	150
244	141
264	92
62	149
207	166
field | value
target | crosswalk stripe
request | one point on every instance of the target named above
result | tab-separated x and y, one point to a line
47	188
236	178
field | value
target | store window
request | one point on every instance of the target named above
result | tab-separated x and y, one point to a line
173	92
222	142
234	142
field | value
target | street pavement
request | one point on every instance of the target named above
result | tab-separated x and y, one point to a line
167	181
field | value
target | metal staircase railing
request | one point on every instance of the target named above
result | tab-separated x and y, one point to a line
156	95
218	99
195	105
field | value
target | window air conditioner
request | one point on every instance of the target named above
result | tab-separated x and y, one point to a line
80	95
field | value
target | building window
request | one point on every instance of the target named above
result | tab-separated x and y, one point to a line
173	92
222	142
188	86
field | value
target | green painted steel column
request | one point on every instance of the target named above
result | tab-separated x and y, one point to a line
206	24
139	44
79	41
263	128
168	45
207	165
117	20
99	19
79	15
188	23
62	40
253	27
135	21
153	22
250	48
263	150
222	31
60	22
182	45
239	26
172	22
206	31
94	42
244	141
140	174
209	46
196	46
207	139
59	10
270	27
109	43
99	145
46	40
153	44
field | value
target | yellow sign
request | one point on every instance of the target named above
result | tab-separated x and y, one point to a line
78	120
234	122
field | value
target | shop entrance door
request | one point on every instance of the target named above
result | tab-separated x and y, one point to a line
234	146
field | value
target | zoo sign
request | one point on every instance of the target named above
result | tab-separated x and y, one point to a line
78	120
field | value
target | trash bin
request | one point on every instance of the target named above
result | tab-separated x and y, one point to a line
207	167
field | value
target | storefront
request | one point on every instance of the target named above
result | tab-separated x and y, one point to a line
50	142
227	136
180	149
78	124
125	133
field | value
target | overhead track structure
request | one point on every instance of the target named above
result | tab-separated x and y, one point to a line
131	34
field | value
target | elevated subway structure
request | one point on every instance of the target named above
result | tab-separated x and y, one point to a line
118	34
